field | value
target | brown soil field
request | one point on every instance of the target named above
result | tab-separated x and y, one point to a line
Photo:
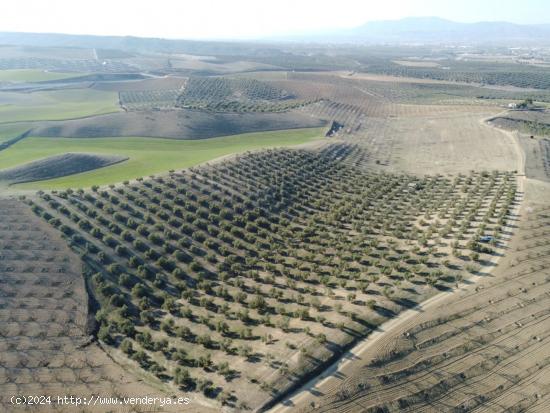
176	124
46	347
389	292
217	67
57	166
99	77
440	143
540	116
537	153
405	137
423	139
476	340
533	123
388	78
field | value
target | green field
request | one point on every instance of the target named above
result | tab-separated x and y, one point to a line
8	132
147	155
33	75
56	105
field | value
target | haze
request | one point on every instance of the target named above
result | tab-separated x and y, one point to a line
243	18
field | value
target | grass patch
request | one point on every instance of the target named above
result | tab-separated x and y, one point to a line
146	155
33	75
8	132
56	105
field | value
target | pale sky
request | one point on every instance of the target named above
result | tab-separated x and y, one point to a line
244	18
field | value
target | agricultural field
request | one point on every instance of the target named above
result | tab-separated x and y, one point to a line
57	166
239	279
175	124
64	65
46	340
149	99
55	104
221	94
492	73
8	132
32	75
145	156
488	345
533	122
274	227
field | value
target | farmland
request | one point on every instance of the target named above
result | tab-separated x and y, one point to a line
149	99
57	166
32	75
146	155
283	290
57	104
471	72
46	339
175	124
489	344
236	95
285	228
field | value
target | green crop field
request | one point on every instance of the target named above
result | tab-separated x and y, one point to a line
146	155
8	132
56	105
33	75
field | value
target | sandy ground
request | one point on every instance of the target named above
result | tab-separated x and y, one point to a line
447	144
416	139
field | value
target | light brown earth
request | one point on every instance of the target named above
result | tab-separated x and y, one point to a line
154	83
447	143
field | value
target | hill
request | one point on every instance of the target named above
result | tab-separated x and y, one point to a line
432	30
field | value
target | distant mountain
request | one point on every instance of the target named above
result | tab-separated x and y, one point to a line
127	43
430	30
411	30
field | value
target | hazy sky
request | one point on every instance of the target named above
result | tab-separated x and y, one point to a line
244	18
